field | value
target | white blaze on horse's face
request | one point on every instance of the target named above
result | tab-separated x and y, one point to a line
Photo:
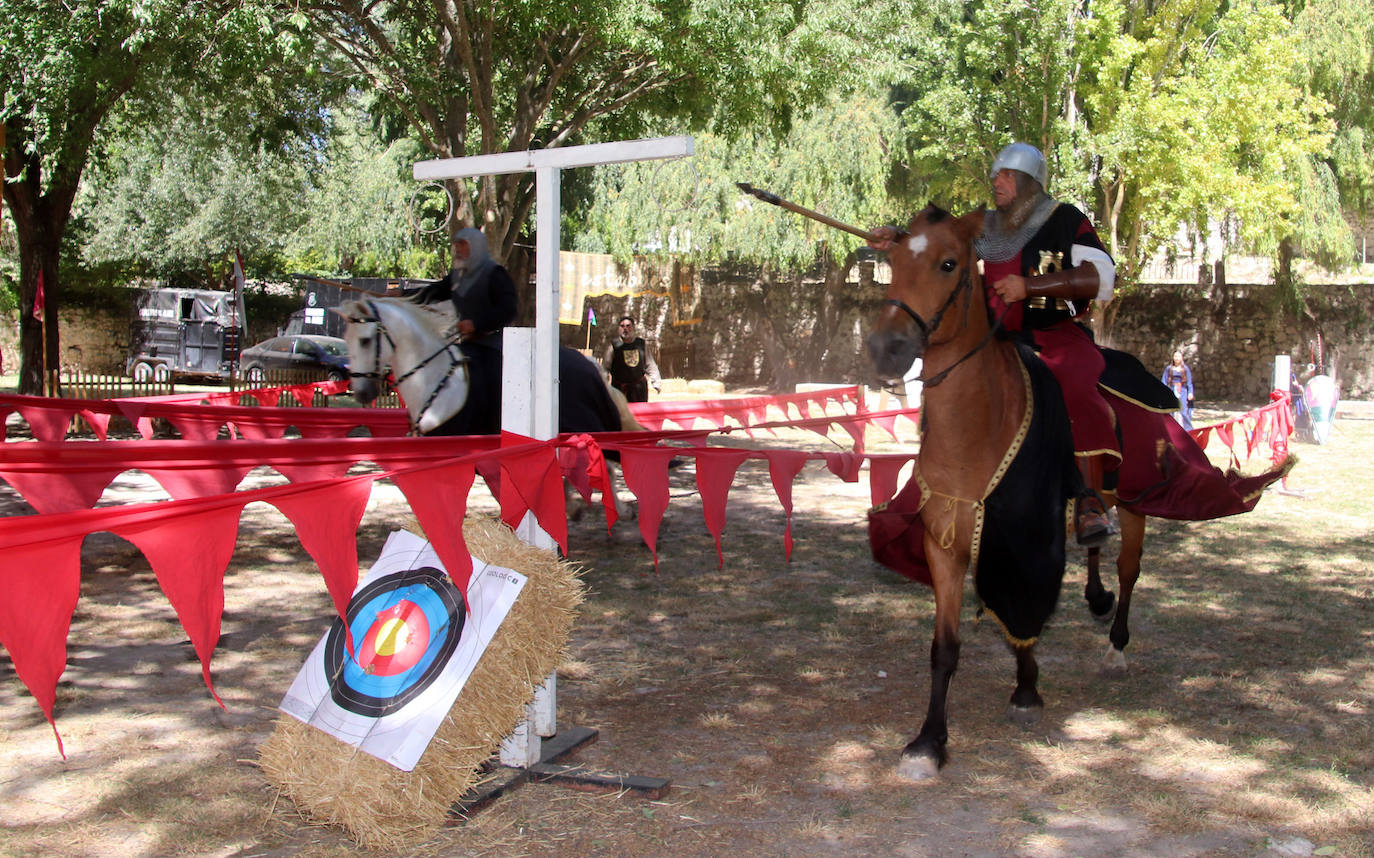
361	336
916	244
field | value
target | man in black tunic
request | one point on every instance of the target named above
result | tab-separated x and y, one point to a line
631	368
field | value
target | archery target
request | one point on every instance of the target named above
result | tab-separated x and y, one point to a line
405	628
414	647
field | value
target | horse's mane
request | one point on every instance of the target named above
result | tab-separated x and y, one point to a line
440	317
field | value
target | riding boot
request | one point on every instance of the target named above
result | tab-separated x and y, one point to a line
1090	520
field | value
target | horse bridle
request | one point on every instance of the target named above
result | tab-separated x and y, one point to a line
456	358
928	328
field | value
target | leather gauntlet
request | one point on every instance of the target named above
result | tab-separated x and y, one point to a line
1075	284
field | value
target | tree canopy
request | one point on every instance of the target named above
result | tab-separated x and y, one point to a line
1162	119
66	68
469	78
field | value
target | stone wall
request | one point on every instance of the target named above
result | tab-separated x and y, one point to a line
1230	335
732	329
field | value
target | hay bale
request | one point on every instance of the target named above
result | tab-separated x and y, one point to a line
383	807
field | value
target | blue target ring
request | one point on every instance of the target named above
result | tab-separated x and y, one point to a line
405	627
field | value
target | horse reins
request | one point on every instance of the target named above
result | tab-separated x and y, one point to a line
928	328
448	348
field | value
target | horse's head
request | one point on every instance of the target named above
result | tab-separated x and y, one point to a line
933	269
364	336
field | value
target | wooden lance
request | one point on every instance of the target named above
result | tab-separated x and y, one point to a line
778	201
348	286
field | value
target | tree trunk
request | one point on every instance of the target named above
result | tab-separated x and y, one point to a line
40	219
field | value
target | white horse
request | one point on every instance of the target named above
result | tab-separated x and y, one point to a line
443	380
454	388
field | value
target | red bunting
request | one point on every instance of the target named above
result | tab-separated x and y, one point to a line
53	491
189	554
531	481
438	495
783	468
646	474
326	519
715	472
883	471
584	467
56	476
41	586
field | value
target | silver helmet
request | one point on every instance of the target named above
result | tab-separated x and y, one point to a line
1023	157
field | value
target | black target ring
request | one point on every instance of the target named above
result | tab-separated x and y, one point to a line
406	626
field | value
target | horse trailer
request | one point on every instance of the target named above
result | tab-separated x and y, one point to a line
186	332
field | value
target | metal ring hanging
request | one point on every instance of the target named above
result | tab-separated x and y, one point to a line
448	210
655	177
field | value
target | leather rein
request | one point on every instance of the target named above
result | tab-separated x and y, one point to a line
965	284
456	358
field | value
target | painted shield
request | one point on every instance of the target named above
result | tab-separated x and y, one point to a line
405	627
1320	398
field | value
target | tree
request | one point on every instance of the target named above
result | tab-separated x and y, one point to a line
364	215
1157	117
471	78
65	69
176	199
837	159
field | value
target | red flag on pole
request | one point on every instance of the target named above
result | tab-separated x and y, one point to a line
240	309
38	299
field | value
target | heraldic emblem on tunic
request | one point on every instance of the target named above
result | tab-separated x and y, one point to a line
630	356
1050	262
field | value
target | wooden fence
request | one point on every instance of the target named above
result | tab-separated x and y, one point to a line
78	384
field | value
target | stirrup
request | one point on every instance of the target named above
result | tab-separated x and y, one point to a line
1092	527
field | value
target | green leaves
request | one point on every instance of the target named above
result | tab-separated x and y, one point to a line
836	160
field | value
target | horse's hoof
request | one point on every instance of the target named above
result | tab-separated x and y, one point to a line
1104	609
1025	716
1115	662
917	768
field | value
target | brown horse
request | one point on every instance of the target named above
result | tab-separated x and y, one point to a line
996	472
974	408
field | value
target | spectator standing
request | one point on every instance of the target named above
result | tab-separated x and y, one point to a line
629	364
1179	378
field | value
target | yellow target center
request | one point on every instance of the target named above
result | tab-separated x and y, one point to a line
392	637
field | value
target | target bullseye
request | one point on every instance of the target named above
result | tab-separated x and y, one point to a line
396	642
405	626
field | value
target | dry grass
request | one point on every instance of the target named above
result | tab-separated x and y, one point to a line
777	696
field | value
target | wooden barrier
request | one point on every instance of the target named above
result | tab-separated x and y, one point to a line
79	384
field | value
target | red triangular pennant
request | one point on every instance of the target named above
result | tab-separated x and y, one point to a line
882	476
42	581
783	468
61	491
438	496
189	554
531	481
326	519
646	476
715	473
49	421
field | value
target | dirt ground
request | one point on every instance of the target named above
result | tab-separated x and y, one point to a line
775	696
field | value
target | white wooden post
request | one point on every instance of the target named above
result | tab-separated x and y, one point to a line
1283	369
529	389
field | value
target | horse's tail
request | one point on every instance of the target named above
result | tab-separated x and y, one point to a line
628	423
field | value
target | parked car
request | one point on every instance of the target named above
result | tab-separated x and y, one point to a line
327	355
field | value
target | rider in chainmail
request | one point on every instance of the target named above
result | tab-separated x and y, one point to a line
1043	265
1006	232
